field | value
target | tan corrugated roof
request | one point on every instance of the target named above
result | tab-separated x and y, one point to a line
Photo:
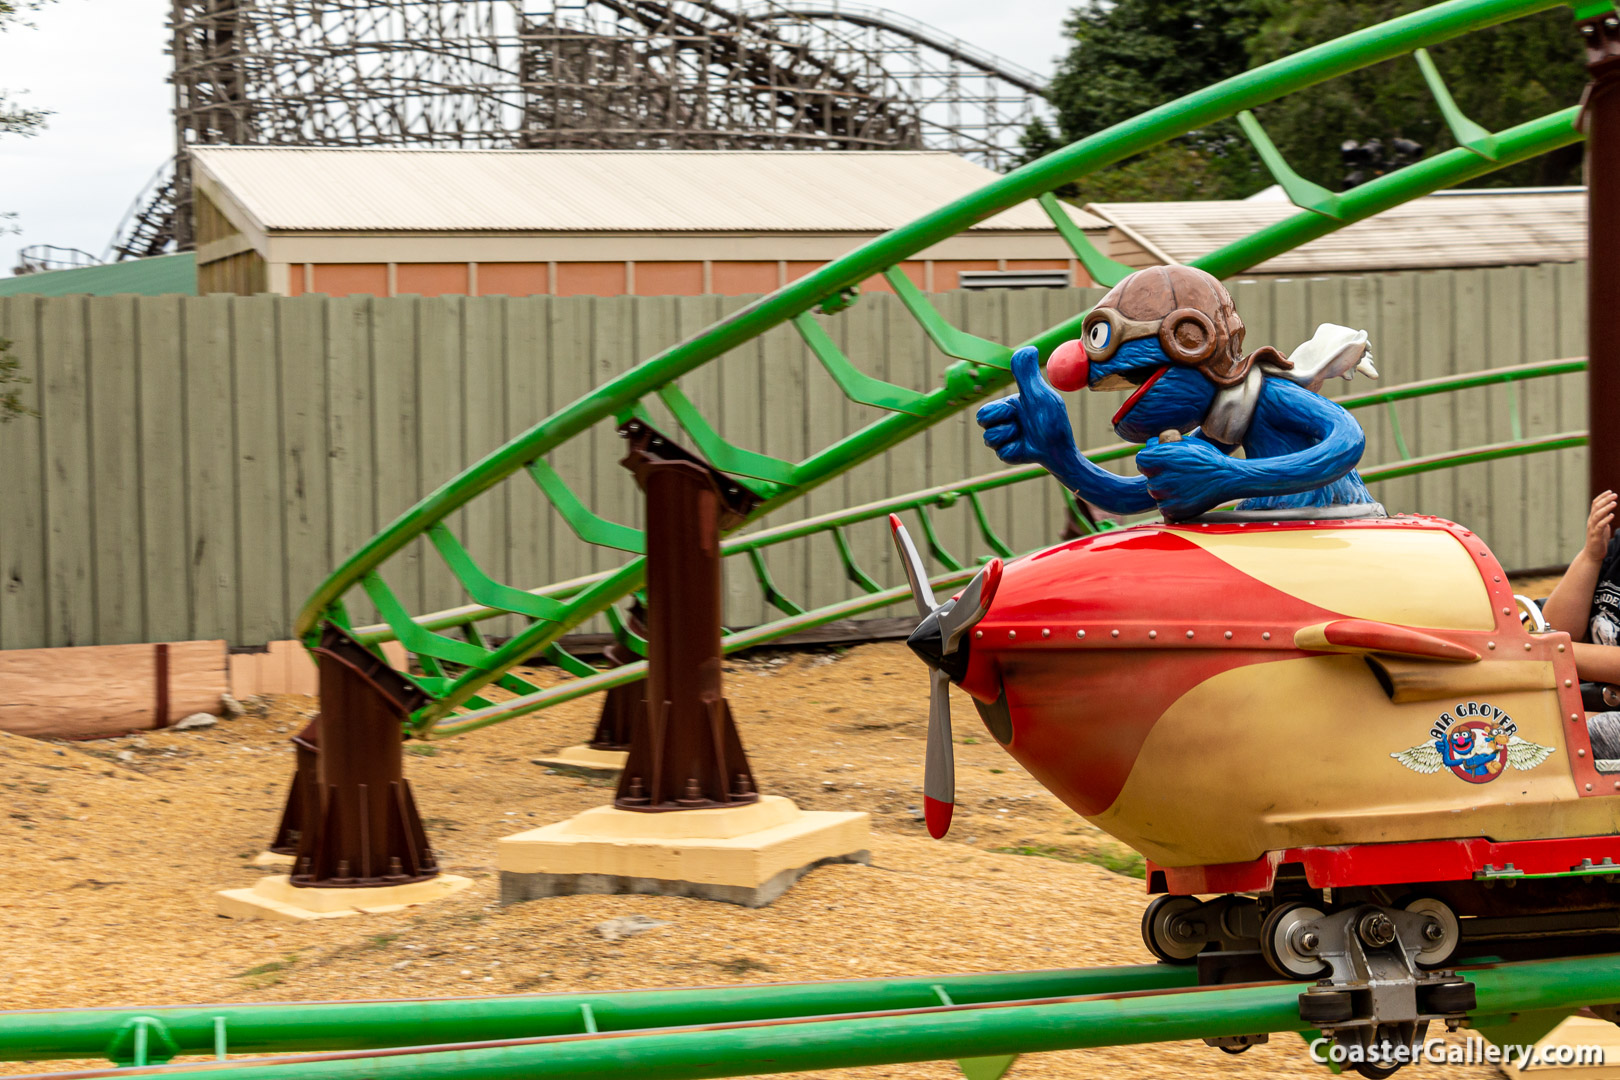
364	190
1497	227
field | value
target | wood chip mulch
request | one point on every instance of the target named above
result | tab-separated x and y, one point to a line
113	851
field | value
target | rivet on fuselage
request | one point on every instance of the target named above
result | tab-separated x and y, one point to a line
1229	635
1080	633
1116	633
1588	787
1527	646
1496	579
1580	753
978	633
1046	633
1153	633
1569	682
1505	611
1560	648
1574	717
1011	634
1490	644
1266	636
1189	633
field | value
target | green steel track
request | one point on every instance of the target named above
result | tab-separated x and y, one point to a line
457	671
981	1020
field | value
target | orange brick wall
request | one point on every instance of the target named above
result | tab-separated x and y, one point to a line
916	271
945	272
591	279
514	279
430	279
797	270
743	278
351	279
664	278
669	279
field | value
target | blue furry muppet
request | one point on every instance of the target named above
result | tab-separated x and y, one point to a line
1171	335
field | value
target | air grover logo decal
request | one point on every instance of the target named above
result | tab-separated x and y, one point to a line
1476	741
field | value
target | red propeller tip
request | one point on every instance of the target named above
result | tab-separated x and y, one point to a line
894	523
938	816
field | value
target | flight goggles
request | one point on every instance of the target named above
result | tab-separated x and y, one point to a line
1187	335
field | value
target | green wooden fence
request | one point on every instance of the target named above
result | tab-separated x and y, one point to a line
201	463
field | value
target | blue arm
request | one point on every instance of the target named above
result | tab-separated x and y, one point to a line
1095	484
1298	441
1033	426
1287	415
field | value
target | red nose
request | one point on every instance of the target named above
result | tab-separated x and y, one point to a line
1068	368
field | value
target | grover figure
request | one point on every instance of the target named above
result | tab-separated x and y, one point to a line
1171	336
1464	751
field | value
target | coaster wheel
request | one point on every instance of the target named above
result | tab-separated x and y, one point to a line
1158	922
1443	933
1279	948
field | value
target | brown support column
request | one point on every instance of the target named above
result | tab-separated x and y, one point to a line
364	829
685	753
623	704
1601	118
304	794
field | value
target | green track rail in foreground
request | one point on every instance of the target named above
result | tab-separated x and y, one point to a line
456	671
735	1031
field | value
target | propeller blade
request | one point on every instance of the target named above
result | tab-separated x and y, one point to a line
970	607
939	763
915	574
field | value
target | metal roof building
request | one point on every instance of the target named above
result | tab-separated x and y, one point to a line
161	275
1474	227
597	222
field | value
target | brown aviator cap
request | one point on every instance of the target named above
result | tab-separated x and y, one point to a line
1196	323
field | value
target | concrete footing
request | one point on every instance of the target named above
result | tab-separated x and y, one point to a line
583	759
276	899
746	855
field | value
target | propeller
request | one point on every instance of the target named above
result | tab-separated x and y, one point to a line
938	639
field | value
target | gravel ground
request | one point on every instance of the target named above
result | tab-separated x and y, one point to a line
113	850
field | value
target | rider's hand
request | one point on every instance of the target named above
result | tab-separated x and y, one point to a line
1600	526
1031	425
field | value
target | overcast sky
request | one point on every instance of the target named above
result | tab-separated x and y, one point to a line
100	66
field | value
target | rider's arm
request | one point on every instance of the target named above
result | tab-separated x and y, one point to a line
1570	605
1569	608
1597	663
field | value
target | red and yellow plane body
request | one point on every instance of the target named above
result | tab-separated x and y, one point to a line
1227	698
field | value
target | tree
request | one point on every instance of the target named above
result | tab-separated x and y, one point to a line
15	119
1131	55
11	404
1499	77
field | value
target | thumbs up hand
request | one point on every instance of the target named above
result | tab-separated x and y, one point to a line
1031	425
